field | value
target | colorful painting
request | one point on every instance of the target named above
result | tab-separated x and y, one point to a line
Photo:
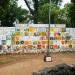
36	37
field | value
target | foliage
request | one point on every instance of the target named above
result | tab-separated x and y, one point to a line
36	5
11	13
57	2
39	9
69	11
73	1
4	3
71	15
61	69
55	14
34	9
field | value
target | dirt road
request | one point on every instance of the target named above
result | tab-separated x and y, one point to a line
35	62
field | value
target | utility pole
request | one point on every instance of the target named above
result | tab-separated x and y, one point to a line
0	23
47	57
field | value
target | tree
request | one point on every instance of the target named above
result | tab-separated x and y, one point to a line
11	13
33	11
73	1
57	2
3	5
70	14
36	5
60	17
22	15
8	18
56	14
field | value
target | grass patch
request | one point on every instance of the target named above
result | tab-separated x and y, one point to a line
3	62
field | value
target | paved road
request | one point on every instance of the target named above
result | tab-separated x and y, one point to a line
33	64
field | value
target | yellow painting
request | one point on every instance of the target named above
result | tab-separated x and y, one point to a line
17	34
52	29
59	29
31	29
43	33
26	42
46	41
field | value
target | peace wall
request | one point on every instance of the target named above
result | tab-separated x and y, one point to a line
35	36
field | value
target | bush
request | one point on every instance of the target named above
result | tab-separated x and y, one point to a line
62	69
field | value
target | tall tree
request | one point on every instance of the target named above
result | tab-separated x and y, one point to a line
11	13
3	6
4	3
69	11
72	14
57	2
54	14
36	5
73	1
33	11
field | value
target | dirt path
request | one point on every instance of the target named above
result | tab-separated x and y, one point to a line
35	63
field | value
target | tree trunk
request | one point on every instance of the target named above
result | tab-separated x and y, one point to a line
35	11
73	1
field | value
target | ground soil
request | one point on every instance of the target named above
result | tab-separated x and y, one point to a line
28	63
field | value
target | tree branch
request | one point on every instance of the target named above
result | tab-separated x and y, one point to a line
31	10
73	1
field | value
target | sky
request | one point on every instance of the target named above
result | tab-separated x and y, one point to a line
23	5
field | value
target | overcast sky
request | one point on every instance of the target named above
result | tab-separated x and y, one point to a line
23	5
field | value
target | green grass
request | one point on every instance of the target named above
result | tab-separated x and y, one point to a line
3	62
